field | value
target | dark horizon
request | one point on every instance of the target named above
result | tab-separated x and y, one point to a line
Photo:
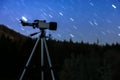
79	60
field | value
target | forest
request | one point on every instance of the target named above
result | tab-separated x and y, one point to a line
70	60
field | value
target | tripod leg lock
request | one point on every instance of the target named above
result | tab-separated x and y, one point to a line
25	67
51	68
43	68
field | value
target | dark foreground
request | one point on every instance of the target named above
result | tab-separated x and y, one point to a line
71	61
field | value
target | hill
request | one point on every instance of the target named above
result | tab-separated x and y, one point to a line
71	61
13	35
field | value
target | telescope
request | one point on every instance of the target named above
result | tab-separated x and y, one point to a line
41	24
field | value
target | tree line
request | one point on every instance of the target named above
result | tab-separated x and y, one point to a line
71	60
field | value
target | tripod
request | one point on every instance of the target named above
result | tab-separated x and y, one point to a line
43	45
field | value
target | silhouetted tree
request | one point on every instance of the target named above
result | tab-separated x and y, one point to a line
78	61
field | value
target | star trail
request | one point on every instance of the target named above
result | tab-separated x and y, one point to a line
79	20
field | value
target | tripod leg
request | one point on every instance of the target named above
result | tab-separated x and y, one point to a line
23	73
42	59
49	61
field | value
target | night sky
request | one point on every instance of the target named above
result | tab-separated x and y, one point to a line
81	20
